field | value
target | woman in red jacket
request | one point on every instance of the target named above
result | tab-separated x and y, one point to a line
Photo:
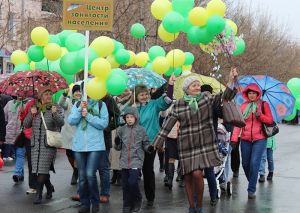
253	138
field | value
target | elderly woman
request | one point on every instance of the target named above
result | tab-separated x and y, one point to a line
253	138
42	155
196	140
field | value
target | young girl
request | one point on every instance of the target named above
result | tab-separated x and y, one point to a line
132	140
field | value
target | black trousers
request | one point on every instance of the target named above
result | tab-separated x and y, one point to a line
235	158
149	176
32	179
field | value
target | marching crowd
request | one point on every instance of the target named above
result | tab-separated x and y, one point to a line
123	134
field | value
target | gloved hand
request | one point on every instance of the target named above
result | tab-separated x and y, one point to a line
150	149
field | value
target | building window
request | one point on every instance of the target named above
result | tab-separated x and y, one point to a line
11	25
52	6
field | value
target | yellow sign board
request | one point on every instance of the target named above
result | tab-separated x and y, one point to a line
88	14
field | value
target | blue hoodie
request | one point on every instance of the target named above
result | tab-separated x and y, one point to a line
92	138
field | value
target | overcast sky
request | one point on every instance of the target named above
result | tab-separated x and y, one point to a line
286	11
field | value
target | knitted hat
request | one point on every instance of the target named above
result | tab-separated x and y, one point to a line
75	88
187	82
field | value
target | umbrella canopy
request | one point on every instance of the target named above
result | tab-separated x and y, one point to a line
274	92
214	83
27	84
144	76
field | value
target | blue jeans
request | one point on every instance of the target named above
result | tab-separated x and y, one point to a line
20	160
130	185
212	183
87	164
267	155
104	172
251	157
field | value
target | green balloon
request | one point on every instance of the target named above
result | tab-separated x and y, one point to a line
156	51
122	56
56	96
170	72
173	22
75	42
187	25
35	53
183	6
240	46
116	85
42	65
55	67
294	86
177	71
189	58
54	39
292	116
138	30
120	72
81	57
215	25
21	67
67	64
118	45
63	36
197	35
149	66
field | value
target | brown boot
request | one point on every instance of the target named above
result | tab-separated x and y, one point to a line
76	197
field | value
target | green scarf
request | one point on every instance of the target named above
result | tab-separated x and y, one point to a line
251	107
18	103
193	101
43	107
92	111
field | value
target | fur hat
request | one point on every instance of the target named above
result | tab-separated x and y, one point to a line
188	81
42	90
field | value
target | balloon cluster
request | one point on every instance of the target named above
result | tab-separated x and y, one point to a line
65	53
206	27
294	86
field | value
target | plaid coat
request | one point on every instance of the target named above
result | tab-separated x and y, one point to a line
197	145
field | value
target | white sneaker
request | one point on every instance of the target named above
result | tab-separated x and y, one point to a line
10	159
31	191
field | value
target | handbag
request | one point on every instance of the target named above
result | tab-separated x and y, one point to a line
269	129
54	139
232	114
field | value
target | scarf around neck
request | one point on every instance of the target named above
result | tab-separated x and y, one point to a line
17	103
43	107
251	107
91	111
192	101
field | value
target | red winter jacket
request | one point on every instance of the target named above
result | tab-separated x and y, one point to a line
253	130
28	131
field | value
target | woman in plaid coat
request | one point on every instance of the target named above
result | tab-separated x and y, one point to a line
196	140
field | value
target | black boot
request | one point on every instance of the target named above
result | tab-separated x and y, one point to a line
39	193
171	169
119	178
114	177
50	189
74	177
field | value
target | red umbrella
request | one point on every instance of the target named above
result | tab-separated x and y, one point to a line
27	84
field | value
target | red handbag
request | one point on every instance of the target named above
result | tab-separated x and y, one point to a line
27	133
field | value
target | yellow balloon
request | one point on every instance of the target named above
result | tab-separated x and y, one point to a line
19	57
40	36
101	68
166	36
176	58
160	65
198	16
216	7
112	60
52	51
64	51
141	59
103	45
132	59
187	68
32	65
232	25
160	8
96	89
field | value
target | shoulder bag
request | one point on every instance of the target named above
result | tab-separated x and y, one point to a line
54	139
269	129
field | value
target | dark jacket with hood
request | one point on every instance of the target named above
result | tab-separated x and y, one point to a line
132	141
253	130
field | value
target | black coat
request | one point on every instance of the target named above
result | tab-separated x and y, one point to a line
2	124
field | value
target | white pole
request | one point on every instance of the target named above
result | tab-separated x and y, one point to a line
86	63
